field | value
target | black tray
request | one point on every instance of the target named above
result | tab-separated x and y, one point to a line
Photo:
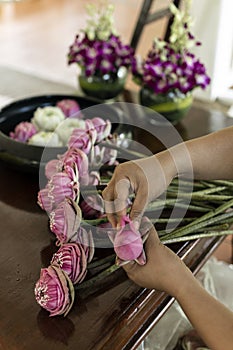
28	157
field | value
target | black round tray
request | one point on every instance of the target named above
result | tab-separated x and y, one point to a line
28	157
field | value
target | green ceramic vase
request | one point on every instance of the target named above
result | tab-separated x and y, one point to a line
173	105
103	87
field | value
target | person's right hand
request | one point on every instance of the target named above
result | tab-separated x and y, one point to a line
147	178
163	270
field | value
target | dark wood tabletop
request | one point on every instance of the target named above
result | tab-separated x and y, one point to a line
119	314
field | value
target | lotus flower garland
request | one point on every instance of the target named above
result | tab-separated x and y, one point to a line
61	199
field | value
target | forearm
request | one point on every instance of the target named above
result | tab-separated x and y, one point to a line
212	320
208	157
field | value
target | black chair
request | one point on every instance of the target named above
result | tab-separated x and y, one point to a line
145	17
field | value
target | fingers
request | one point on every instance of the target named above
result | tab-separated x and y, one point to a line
139	205
116	196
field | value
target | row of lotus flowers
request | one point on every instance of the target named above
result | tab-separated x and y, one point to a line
63	201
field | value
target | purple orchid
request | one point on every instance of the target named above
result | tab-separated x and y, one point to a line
100	56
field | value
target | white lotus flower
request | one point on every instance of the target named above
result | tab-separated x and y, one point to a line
47	118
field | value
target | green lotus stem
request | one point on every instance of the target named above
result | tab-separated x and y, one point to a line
213	212
190	207
92	281
196	225
222	182
124	150
187	183
95	222
165	220
203	192
197	236
219	227
99	262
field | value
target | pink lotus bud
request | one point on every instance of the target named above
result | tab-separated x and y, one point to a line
82	139
70	108
72	260
52	167
65	220
44	200
85	238
23	131
77	159
128	243
54	291
92	206
61	186
102	127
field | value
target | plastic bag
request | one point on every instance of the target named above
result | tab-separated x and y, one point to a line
217	278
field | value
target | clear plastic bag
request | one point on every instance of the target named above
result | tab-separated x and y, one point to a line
217	278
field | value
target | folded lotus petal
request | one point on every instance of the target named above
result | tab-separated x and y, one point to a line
71	258
102	127
65	220
52	167
44	200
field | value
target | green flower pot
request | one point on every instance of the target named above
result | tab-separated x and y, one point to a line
103	87
173	106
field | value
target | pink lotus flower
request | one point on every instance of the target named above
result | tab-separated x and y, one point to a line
61	186
72	260
78	161
102	127
54	291
92	206
83	139
85	238
23	131
70	108
65	220
128	242
44	200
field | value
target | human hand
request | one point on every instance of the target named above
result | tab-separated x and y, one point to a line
163	270
147	178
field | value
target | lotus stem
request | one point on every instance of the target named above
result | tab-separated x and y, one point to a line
196	236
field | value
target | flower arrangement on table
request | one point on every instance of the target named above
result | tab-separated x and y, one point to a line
170	72
100	53
72	198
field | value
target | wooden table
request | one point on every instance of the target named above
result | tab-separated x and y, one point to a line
116	317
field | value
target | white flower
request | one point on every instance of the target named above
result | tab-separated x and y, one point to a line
44	138
65	129
47	118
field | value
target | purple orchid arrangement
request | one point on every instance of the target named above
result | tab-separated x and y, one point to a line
170	66
71	213
98	50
